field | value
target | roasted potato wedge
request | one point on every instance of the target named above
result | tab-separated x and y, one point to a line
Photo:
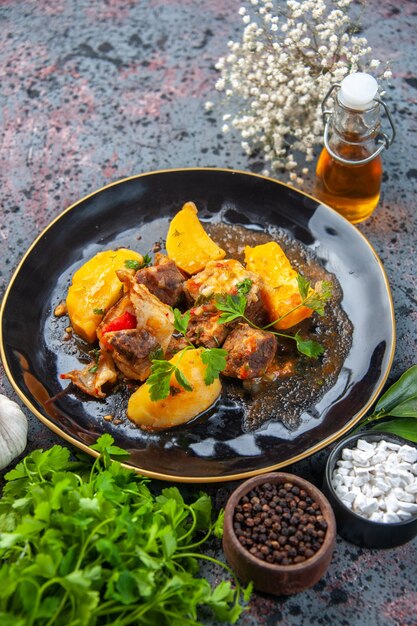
187	242
280	292
181	405
95	288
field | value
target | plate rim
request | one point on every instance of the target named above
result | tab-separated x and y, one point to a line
198	479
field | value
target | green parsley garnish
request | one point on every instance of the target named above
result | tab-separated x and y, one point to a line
244	287
133	264
215	359
98	311
86	542
160	378
234	307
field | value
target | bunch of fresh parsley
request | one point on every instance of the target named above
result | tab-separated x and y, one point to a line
87	544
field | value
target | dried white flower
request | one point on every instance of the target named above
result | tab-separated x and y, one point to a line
281	70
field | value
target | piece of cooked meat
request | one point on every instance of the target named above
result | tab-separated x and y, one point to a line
221	278
94	376
151	314
250	352
164	280
203	327
178	342
131	350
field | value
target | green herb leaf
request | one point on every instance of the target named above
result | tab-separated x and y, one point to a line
133	264
232	308
93	369
308	347
181	321
105	443
157	354
98	311
402	390
244	287
181	379
218	525
303	286
317	300
215	359
405	427
159	379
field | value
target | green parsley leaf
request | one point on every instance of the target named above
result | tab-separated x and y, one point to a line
93	369
317	300
159	379
244	287
308	347
181	321
106	443
303	286
181	379
98	311
215	359
157	354
133	264
232	308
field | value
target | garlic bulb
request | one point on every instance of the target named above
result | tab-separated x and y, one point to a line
13	431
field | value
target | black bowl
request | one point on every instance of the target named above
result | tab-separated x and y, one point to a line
353	527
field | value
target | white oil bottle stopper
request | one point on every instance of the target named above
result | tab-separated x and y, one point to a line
357	91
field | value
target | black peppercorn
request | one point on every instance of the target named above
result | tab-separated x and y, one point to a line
280	524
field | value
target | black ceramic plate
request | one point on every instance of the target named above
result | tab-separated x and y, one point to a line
215	448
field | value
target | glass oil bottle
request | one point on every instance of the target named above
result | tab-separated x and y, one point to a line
349	169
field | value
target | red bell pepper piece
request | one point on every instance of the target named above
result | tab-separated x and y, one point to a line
123	322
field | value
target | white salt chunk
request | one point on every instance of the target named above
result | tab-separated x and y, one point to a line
408	453
391	518
404	515
379	457
359	503
371	506
400	494
347	454
410	507
361	480
361	457
362	444
393	446
346	464
391	503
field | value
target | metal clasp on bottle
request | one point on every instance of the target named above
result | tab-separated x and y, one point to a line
383	139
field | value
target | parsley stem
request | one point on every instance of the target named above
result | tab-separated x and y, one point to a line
285	314
273	332
192	526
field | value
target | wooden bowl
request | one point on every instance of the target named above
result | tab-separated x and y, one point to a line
273	578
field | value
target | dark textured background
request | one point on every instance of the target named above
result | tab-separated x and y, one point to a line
94	91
